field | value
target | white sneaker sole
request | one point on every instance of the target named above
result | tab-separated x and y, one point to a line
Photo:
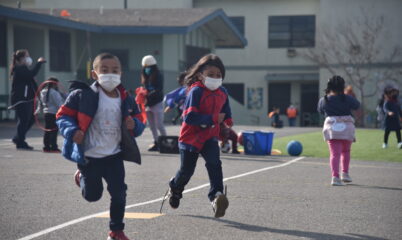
222	203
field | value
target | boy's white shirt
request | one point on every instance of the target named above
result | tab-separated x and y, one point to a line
104	134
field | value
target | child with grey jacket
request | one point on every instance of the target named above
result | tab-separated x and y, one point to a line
51	100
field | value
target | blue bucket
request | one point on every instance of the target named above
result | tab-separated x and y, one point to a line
257	142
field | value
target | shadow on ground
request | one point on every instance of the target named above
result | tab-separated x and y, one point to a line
296	233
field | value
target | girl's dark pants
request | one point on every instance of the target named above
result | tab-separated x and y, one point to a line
50	137
111	169
25	117
386	135
210	152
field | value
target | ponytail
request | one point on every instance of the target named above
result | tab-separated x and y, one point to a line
17	57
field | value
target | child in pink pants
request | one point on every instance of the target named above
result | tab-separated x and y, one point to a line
339	128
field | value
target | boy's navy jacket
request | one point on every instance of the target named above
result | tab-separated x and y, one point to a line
77	113
200	116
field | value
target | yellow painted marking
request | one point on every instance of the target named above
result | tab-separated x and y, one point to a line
132	215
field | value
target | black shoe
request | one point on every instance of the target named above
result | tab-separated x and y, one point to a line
154	148
174	199
24	146
234	151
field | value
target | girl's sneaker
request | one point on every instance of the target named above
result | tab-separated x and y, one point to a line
220	204
336	181
400	145
384	145
117	235
346	178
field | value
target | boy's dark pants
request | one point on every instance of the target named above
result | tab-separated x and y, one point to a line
50	137
26	119
210	152
110	168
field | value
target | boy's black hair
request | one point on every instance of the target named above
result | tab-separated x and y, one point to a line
103	56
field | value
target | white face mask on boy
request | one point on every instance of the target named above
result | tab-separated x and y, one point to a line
109	81
212	83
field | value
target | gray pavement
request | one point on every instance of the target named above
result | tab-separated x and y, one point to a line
287	199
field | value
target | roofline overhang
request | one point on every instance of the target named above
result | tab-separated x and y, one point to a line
67	23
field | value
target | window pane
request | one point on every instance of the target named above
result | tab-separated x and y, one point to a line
291	31
239	23
60	51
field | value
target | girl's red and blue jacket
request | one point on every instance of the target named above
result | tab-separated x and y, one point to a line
78	112
200	116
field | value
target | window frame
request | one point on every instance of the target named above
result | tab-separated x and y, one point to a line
296	31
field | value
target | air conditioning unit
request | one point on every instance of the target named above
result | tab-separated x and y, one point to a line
291	52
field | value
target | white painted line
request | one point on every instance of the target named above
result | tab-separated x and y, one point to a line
72	222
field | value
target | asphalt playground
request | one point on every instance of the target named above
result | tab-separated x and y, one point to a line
271	197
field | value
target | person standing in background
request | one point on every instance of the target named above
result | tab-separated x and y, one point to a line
152	80
393	114
23	93
291	112
51	100
357	114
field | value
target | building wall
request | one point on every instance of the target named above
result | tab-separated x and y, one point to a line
251	64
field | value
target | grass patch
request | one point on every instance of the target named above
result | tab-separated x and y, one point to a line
367	146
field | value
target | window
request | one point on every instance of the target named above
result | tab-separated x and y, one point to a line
278	96
291	31
239	24
3	44
236	91
60	51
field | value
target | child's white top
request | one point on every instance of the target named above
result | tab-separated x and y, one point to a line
104	134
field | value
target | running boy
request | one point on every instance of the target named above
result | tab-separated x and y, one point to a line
95	123
206	106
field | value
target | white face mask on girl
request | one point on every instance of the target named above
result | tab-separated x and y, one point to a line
109	81
28	61
212	83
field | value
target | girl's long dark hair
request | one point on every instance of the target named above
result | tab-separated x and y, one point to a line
207	60
20	53
335	84
50	85
152	78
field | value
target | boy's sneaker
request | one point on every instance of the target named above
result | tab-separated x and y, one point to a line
174	199
400	145
336	181
77	178
153	148
220	204
384	145
117	235
346	178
